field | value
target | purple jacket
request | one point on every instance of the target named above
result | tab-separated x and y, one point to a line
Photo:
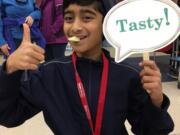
52	21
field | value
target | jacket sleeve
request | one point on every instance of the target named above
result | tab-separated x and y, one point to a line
36	14
144	117
2	40
14	108
58	17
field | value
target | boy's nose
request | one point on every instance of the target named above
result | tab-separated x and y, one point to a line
77	26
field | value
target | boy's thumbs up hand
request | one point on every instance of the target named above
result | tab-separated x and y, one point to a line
27	56
26	34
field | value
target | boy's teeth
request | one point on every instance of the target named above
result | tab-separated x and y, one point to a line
74	39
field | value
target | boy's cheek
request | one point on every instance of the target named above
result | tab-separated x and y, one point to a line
65	31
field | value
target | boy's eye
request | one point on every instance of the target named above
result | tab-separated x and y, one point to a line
87	18
68	18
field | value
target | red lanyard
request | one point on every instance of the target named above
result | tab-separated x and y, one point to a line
102	95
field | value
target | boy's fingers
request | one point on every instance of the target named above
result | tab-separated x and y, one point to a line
150	64
38	49
26	34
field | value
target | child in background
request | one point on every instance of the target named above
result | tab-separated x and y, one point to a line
86	93
51	26
13	13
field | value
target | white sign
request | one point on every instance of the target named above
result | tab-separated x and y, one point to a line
138	26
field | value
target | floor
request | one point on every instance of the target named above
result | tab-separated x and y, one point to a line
37	126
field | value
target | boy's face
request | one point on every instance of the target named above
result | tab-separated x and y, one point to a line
85	23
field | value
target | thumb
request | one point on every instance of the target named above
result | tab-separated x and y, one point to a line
26	33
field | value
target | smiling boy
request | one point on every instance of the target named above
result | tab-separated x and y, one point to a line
86	93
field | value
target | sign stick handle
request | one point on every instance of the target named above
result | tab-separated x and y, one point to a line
146	56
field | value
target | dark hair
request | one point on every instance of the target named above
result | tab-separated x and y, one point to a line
98	4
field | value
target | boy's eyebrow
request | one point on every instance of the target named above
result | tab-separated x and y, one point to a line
88	11
68	12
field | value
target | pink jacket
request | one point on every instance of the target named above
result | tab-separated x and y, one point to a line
51	23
